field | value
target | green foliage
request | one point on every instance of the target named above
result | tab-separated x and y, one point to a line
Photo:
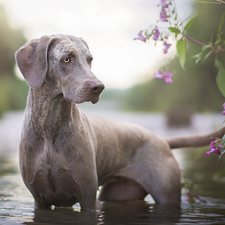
222	151
13	94
174	30
195	87
216	3
10	41
220	28
181	51
13	91
189	24
220	77
205	172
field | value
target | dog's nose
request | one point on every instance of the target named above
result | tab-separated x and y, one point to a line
96	87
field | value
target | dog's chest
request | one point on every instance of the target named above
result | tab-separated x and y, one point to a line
55	186
50	177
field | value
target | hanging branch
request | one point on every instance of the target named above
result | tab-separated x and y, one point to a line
220	1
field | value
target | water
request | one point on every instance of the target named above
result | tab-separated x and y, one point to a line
208	176
16	207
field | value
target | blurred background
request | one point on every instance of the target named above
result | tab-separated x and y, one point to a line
124	65
191	105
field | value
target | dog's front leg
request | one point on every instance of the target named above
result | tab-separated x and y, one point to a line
90	205
88	200
85	187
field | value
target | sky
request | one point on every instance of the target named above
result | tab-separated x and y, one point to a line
108	26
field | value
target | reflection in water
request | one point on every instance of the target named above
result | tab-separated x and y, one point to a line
138	212
17	207
206	173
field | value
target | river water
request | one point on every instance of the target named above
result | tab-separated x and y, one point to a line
208	177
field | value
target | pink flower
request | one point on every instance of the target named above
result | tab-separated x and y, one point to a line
163	16
156	34
164	76
140	37
168	76
167	46
163	4
224	109
214	149
159	75
212	145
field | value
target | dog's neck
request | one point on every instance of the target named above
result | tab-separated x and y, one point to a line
49	111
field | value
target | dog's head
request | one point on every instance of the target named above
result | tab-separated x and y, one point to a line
63	62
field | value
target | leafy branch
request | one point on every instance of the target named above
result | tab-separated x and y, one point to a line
169	15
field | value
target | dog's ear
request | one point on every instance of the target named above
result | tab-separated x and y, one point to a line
84	42
32	60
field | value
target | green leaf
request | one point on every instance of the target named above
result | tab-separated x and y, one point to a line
181	51
220	27
221	23
208	54
221	153
185	20
220	79
204	48
198	60
188	25
217	42
223	140
208	2
175	18
174	30
196	56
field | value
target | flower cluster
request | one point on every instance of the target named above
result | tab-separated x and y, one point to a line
215	147
166	47
156	35
140	37
163	4
164	76
191	196
163	16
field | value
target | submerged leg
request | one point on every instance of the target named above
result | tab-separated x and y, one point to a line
122	190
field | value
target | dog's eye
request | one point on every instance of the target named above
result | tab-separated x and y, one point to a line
66	60
89	60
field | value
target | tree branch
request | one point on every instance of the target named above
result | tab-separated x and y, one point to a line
220	1
200	43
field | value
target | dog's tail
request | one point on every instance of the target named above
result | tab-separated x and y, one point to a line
194	141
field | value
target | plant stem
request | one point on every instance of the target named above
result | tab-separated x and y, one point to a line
200	43
195	41
220	1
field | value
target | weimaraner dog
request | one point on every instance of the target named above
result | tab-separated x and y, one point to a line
65	154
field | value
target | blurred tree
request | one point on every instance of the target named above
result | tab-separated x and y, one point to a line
10	41
195	87
13	91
